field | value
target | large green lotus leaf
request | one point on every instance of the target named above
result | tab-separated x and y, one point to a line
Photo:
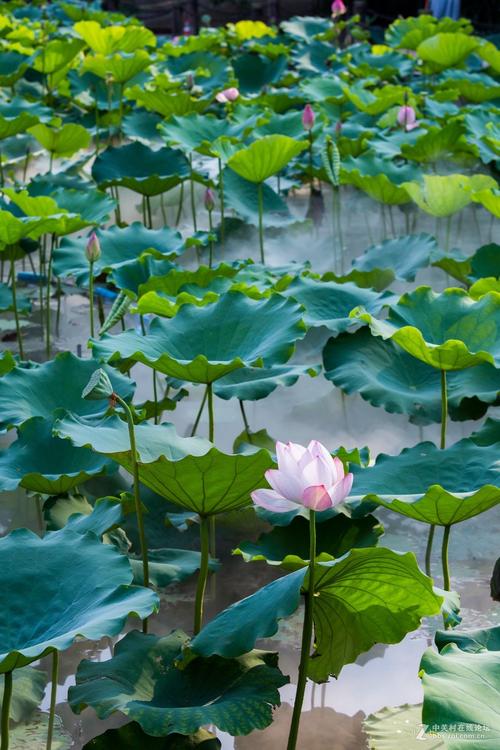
255	71
119	246
186	471
483	286
109	39
166	103
198	132
446	50
485	262
437	143
13	230
76	513
404	256
181	279
449	331
394	728
440	487
489	52
444	195
202	344
63	141
131	276
10	126
265	157
56	384
305	28
120	67
141	125
12	67
471	641
367	596
143	682
28	688
289	124
379	187
131	736
476	87
288	546
71	597
385	375
462	688
92	205
43	212
243	197
7	362
45	464
490	199
329	304
141	169
374	102
206	71
56	54
167	566
253	383
34	733
479	127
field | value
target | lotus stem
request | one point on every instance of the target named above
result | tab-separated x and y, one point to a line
14	304
181	203
245	420
148	210
448	234
307	633
40	287
211	242
221	198
391	219
211	421
58	311
49	284
338	223
199	413
203	574
7	695
155	397
310	136
53	698
1	171
260	193
444	419
120	112
444	558
91	298
26	163
137	497
191	188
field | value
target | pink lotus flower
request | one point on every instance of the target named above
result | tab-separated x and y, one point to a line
308	117
338	8
308	477
407	117
228	95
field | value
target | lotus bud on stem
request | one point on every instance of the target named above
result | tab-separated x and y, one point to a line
93	253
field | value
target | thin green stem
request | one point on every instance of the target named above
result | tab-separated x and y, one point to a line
191	188
13	282
307	634
211	421
245	420
7	695
428	550
149	213
91	298
448	234
155	397
444	558
203	574
137	497
444	409
181	204
211	242
221	199
260	192
311	175
53	698
199	413
49	287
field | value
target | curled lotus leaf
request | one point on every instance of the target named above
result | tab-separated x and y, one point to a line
202	344
237	695
253	383
265	157
404	256
449	331
70	598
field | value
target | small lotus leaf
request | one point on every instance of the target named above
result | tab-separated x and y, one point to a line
265	157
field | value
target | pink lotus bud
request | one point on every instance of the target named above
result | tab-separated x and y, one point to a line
308	117
338	8
93	248
306	477
228	95
407	117
209	199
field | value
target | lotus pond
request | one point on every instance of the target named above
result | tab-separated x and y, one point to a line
250	295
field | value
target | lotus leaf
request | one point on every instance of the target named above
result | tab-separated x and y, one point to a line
56	54
255	71
70	598
367	596
130	736
120	246
34	734
329	304
385	375
198	132
404	256
265	157
63	141
10	126
248	332
438	487
490	199
442	195
28	688
394	727
167	103
445	50
44	464
106	40
141	169
462	687
56	384
243	197
120	67
253	383
235	695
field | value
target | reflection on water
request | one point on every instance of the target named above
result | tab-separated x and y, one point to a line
333	713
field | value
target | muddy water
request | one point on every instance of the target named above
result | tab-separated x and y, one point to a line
333	713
